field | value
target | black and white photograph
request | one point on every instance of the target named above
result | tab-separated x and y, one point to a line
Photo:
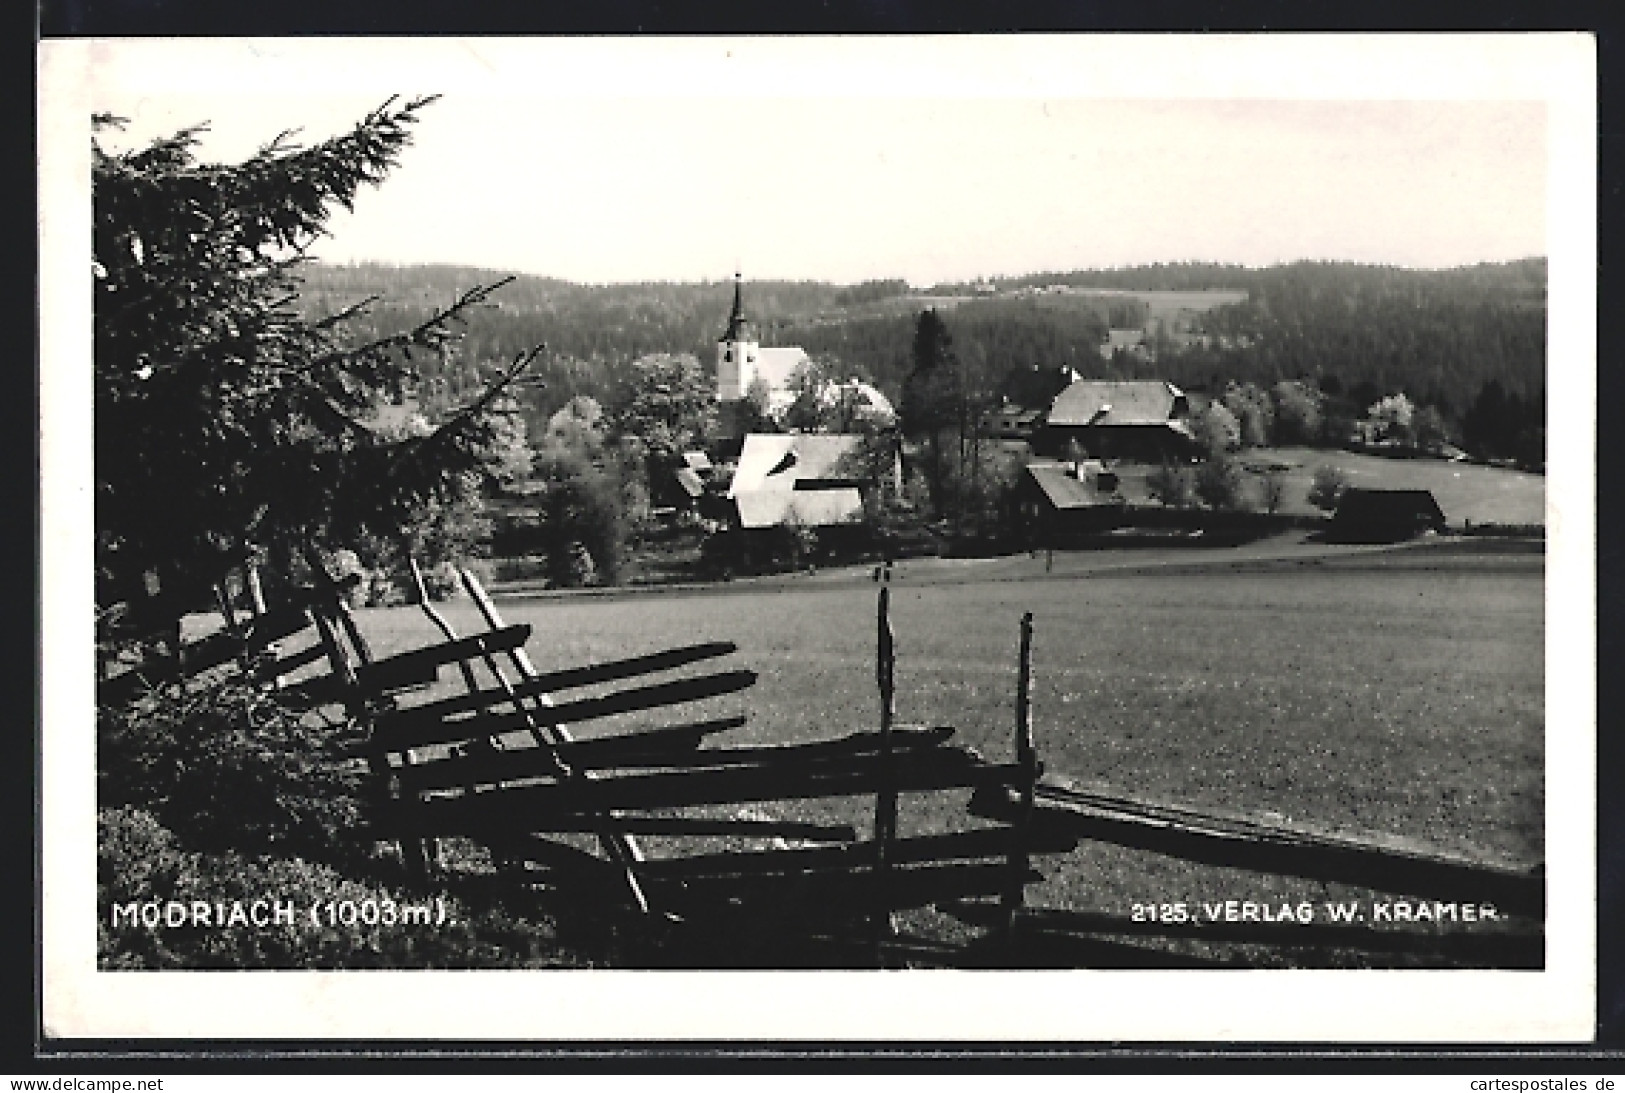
1057	537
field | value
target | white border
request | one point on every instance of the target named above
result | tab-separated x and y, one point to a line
1554	1005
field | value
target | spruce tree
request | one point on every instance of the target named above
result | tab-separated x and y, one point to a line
226	423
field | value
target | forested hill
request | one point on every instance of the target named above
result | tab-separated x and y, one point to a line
1439	335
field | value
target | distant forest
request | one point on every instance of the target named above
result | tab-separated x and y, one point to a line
1439	336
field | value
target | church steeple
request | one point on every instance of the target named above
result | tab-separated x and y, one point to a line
736	320
736	351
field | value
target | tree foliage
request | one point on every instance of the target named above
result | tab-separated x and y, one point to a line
582	521
577	426
826	401
1219	484
667	404
931	393
227	420
933	398
1502	425
1254	412
1216	430
1393	415
1297	412
1326	488
1172	485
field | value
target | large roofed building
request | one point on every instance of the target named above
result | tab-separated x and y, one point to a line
796	478
1119	419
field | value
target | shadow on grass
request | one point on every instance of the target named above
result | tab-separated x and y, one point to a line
586	903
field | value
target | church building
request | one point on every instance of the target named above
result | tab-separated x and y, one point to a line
743	362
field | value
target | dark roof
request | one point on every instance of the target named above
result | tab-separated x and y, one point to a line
736	318
1368	513
1061	489
1360	501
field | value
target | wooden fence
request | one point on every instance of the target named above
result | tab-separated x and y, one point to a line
515	759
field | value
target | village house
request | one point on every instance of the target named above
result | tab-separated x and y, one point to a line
1138	420
1131	341
1060	498
804	479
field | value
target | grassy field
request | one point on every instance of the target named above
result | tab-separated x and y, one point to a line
1465	491
1168	304
1391	694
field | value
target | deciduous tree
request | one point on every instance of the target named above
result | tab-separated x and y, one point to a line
1327	487
1393	415
1297	413
1216	430
1218	484
1254	413
667	404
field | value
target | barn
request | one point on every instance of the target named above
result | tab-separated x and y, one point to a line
1142	420
1384	516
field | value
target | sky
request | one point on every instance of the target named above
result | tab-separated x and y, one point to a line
926	159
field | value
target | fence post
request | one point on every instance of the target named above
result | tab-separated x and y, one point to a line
439	620
620	846
414	854
1016	887
256	592
886	793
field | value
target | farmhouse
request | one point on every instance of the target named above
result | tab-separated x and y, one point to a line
1011	421
1130	341
1059	498
801	479
743	363
1384	516
1143	420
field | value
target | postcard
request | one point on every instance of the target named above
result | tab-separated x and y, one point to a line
1022	539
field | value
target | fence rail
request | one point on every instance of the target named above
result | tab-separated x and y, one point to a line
498	761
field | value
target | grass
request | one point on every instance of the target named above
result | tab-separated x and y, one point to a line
1391	694
1465	491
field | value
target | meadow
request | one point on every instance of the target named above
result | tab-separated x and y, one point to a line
1392	694
1467	492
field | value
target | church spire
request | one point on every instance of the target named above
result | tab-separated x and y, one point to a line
736	320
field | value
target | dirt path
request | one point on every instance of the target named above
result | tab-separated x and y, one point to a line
1289	549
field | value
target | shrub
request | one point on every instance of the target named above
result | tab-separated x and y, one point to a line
234	769
1218	484
786	547
581	509
1327	488
141	862
1174	486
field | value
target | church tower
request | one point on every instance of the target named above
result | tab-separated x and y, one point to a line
737	352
